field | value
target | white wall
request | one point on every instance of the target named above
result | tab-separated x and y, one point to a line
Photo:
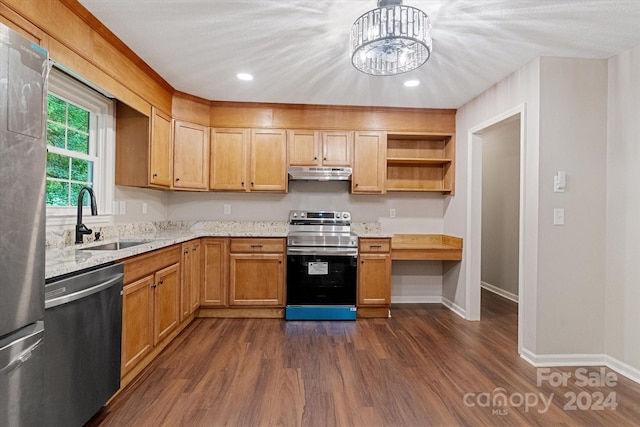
517	92
623	210
134	198
563	273
501	207
571	268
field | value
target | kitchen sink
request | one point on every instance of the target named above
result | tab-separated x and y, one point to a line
115	246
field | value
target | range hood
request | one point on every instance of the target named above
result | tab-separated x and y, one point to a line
313	173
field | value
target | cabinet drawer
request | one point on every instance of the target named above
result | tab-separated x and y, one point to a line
374	245
142	265
251	245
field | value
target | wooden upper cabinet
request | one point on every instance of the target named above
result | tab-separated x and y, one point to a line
336	148
369	163
228	159
268	160
320	148
190	156
160	149
304	148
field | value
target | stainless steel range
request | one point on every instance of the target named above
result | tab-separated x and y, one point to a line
322	255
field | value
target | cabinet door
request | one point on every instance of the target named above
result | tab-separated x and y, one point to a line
228	159
268	160
256	279
190	156
137	322
369	163
167	302
374	280
304	148
214	268
185	281
336	148
196	266
160	159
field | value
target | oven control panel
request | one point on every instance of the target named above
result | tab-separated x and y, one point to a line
320	216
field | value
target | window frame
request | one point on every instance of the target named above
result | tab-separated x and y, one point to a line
101	129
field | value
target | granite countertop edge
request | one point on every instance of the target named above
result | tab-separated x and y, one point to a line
71	259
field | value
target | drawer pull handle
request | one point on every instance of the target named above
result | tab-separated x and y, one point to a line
256	246
375	246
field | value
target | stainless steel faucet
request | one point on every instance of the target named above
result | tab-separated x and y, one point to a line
80	227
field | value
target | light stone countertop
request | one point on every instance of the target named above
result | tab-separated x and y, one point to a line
63	257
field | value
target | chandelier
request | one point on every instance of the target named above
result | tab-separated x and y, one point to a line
392	39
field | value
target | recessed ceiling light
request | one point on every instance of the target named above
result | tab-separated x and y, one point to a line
244	76
412	83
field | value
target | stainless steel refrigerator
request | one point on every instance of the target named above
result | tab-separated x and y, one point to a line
23	92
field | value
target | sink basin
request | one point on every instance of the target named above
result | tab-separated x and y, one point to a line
115	246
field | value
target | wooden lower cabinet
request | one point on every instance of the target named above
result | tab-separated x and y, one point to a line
190	281
256	272
215	253
137	322
167	302
150	306
256	280
374	275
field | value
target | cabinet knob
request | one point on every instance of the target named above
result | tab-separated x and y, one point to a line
315	158
177	179
194	249
361	262
155	175
279	262
356	184
242	183
160	282
252	183
186	252
153	286
324	158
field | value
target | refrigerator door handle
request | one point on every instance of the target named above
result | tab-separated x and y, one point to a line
83	293
21	358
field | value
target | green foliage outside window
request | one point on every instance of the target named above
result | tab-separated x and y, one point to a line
68	169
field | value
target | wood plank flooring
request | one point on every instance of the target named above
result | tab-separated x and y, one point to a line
424	366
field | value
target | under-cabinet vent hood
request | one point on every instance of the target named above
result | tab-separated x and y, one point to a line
312	173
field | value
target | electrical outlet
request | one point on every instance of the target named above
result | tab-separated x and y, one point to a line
122	207
145	208
227	209
392	213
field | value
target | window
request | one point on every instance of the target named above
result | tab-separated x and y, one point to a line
80	146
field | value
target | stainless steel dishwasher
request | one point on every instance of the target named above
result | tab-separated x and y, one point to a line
82	342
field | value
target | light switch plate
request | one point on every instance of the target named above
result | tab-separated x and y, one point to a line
558	216
392	213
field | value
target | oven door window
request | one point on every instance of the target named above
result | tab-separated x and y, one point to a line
321	280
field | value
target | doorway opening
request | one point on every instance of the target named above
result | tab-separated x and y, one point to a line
492	135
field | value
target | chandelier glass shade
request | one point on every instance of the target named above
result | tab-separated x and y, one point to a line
392	39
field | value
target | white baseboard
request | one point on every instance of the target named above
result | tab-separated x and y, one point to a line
454	307
623	368
498	291
416	300
556	360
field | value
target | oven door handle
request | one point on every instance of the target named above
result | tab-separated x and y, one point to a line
322	251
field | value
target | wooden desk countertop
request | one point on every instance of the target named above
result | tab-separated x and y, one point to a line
438	247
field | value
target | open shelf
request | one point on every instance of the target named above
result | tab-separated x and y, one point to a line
420	162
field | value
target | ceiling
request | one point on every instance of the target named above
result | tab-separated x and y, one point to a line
298	50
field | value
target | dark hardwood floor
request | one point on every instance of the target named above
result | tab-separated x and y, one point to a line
423	366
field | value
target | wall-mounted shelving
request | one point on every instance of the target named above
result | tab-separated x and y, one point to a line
421	162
